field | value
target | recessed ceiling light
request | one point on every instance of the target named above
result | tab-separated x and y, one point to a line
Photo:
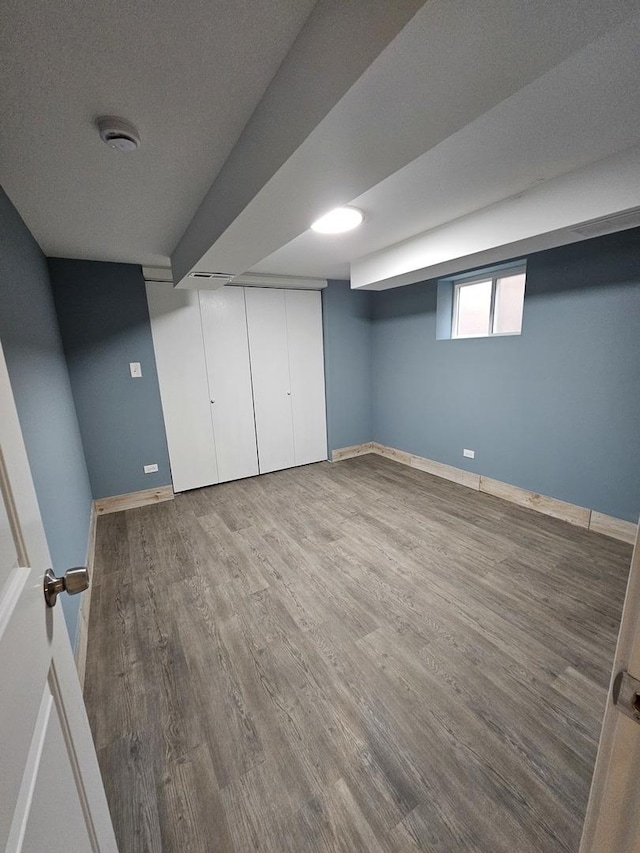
338	220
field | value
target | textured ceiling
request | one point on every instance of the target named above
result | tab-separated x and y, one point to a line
189	74
417	112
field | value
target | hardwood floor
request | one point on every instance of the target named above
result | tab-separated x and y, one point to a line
349	657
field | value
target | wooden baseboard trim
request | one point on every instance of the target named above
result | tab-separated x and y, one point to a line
82	637
349	452
617	528
133	500
430	466
103	506
579	516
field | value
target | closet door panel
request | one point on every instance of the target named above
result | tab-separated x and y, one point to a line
224	329
267	323
182	375
306	368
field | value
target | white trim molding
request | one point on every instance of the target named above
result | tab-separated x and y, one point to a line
165	275
279	281
579	516
158	274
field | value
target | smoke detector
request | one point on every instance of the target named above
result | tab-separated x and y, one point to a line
118	134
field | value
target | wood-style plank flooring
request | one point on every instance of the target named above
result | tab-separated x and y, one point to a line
349	657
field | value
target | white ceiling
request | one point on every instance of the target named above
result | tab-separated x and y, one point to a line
424	98
583	110
188	73
600	198
257	116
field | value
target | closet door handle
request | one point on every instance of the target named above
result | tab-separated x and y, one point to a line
288	393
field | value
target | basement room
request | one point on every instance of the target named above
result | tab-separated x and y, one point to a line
319	432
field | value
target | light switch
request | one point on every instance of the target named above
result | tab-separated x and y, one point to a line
136	369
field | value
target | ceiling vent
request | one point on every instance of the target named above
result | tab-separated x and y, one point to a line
609	224
118	134
223	277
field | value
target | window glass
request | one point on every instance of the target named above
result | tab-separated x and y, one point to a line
473	311
509	301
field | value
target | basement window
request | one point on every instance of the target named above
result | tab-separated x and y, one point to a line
489	303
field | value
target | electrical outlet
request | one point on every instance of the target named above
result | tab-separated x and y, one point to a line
135	369
470	454
150	469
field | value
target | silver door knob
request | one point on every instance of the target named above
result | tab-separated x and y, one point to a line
74	581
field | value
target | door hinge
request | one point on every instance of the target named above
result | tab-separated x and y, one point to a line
626	695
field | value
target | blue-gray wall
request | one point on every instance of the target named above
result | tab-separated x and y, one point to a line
104	321
40	382
347	361
555	410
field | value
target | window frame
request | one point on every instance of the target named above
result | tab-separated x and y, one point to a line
493	276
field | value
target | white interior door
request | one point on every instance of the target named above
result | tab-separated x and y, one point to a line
267	323
51	794
306	369
182	376
226	346
612	824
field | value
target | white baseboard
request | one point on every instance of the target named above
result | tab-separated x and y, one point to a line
133	500
82	635
580	516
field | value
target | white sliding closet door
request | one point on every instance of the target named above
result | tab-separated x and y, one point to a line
182	375
306	369
224	329
267	323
